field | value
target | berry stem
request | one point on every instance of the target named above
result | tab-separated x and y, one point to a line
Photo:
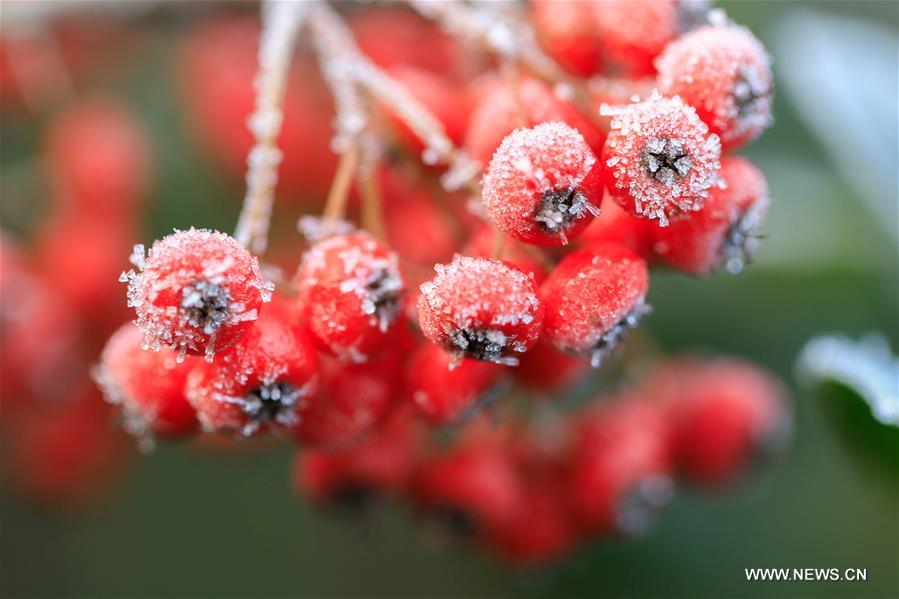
335	207
281	22
372	206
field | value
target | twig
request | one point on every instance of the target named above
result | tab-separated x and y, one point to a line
281	21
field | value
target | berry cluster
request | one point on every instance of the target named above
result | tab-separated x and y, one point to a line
426	295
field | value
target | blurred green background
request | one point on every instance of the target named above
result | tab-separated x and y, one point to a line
188	523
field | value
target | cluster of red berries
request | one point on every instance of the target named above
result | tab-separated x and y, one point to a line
459	303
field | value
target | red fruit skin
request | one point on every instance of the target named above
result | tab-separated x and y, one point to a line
660	159
500	109
566	32
352	399
705	241
349	292
633	32
548	371
378	465
614	225
436	94
473	489
98	158
171	303
393	36
723	414
619	465
68	456
147	386
589	294
723	72
480	308
483	243
444	394
217	67
275	351
543	185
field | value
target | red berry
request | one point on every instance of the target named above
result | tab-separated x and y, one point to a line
391	35
351	400
725	74
470	491
726	231
98	157
197	291
633	32
482	309
447	390
619	466
349	293
354	477
566	31
543	185
501	108
724	414
438	96
148	386
614	225
545	369
593	299
262	382
660	158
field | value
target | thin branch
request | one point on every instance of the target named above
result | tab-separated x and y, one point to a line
281	21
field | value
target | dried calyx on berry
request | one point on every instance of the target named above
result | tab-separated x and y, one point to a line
196	291
482	309
543	185
593	298
661	159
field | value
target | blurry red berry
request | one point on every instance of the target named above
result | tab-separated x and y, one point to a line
392	35
437	95
147	386
355	477
262	382
620	464
567	32
543	185
503	107
445	391
660	160
725	74
614	225
350	292
98	157
482	309
724	415
197	291
544	368
418	228
351	400
593	298
725	232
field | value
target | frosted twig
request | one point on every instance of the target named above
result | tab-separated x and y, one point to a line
281	21
344	65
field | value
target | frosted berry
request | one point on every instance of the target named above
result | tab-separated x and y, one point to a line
147	386
593	298
349	293
447	390
351	400
620	464
196	291
501	108
725	233
481	309
660	158
262	382
725	415
543	185
469	491
725	74
566	31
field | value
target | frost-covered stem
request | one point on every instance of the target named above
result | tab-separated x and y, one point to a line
499	27
335	207
281	21
343	62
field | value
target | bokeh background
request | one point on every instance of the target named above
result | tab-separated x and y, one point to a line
191	523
